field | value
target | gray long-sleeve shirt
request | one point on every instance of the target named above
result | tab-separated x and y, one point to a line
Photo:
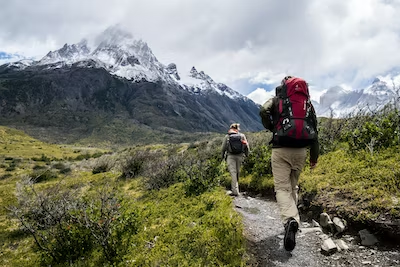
225	144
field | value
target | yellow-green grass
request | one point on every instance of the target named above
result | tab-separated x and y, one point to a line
188	231
174	229
359	185
16	144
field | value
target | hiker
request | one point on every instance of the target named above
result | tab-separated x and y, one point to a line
234	147
291	118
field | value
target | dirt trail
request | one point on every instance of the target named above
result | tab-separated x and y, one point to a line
264	233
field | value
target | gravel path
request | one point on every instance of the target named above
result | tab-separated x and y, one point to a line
264	233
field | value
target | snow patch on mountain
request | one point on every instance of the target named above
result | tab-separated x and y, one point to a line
117	51
341	101
199	82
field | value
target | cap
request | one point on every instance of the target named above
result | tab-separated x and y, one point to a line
235	126
286	78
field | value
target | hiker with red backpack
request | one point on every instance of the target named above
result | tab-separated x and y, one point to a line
234	148
291	118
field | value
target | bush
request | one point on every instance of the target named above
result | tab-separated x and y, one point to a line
66	170
133	164
40	175
59	166
5	176
163	172
43	158
67	225
103	164
258	163
376	131
202	176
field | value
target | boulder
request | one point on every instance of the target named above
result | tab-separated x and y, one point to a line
367	239
328	247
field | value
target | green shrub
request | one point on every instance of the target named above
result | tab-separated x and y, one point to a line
39	167
68	225
43	158
10	169
40	175
373	132
258	163
103	164
5	176
202	176
133	164
163	172
59	165
66	170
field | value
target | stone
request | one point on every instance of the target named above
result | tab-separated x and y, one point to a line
311	230
324	219
328	247
323	236
367	239
315	223
339	224
342	245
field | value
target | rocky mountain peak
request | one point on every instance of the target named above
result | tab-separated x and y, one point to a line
119	53
376	80
193	72
172	70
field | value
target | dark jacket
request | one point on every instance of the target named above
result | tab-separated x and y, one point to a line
225	149
269	115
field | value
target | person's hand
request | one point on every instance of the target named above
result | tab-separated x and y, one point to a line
313	164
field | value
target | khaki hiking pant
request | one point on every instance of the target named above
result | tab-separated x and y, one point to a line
234	162
287	164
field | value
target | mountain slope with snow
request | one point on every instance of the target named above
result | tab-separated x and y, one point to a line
122	55
341	101
118	85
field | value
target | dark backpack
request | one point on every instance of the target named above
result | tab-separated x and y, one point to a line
235	143
295	120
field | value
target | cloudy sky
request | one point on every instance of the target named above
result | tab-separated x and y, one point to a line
247	44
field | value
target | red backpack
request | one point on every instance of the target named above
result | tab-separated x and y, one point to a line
295	120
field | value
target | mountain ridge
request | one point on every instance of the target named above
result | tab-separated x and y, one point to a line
76	87
340	101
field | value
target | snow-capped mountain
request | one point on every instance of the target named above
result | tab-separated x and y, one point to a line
198	82
341	101
122	55
112	84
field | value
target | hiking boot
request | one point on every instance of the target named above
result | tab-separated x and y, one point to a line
289	241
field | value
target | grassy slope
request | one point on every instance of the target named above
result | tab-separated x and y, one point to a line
16	153
190	231
358	186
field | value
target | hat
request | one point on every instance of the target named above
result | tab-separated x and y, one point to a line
235	126
286	78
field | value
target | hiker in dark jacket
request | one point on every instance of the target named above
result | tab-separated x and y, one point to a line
287	162
234	159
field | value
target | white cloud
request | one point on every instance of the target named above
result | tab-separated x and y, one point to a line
259	95
328	42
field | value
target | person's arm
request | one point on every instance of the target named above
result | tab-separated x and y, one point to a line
314	153
224	147
266	114
247	147
314	148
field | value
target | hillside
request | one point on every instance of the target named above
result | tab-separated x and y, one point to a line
172	196
116	92
146	218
